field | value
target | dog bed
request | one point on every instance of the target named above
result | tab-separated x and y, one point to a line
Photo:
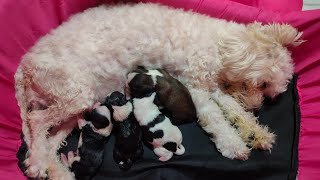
24	22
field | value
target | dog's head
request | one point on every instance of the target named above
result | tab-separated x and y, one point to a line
256	62
140	85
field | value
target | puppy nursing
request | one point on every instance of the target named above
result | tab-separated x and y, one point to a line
128	146
171	95
158	130
96	129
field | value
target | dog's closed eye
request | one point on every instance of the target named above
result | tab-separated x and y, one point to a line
263	86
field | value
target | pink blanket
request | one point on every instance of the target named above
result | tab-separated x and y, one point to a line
24	22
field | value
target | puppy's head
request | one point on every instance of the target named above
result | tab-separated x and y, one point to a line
256	62
115	99
99	117
140	85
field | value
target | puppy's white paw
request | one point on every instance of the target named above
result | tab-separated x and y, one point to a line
165	158
163	153
64	160
81	123
97	104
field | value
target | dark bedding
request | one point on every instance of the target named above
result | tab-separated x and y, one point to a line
202	160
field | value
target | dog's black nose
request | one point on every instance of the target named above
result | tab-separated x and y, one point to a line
125	165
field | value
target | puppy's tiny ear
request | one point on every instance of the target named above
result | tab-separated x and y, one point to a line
106	101
87	115
130	76
147	88
141	67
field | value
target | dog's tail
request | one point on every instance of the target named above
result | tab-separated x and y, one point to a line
21	93
180	150
20	88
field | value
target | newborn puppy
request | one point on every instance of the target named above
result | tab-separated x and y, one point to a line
157	128
96	129
128	144
172	95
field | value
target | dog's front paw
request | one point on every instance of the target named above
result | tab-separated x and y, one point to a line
264	140
234	150
35	168
243	155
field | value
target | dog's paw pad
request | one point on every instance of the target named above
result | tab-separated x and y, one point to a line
36	172
244	155
235	151
266	142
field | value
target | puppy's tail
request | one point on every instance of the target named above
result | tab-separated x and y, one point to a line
180	150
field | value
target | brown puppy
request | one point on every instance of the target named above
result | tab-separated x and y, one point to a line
172	97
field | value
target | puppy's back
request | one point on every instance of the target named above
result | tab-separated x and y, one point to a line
91	154
176	98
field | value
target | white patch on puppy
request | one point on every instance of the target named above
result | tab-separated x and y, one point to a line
158	129
154	74
122	112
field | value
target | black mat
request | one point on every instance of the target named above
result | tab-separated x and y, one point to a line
202	160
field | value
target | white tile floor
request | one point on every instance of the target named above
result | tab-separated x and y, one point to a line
311	4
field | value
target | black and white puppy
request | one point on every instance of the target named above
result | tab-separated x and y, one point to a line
157	129
95	131
171	94
128	143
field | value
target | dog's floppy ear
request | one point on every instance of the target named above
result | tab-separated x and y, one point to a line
107	103
141	90
283	34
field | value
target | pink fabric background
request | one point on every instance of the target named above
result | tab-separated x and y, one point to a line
282	5
24	22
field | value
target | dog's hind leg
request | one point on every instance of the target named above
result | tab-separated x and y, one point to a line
41	121
257	136
21	96
212	120
56	169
